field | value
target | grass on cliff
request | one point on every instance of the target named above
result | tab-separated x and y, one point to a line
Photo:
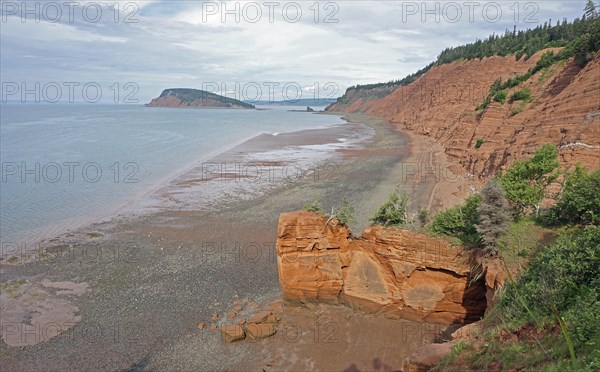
549	71
523	241
519	109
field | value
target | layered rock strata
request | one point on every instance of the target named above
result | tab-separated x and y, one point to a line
397	272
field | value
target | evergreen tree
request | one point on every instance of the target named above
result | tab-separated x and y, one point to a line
594	41
521	43
580	50
590	11
494	217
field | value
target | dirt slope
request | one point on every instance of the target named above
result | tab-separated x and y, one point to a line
564	110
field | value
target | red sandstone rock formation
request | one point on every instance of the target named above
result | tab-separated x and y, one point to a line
397	272
565	111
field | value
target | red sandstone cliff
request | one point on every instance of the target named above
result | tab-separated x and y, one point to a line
565	110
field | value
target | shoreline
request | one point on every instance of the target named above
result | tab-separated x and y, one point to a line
431	180
49	233
160	274
254	167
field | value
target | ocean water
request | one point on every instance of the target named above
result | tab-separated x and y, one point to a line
64	166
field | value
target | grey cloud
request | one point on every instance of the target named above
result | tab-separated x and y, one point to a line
370	43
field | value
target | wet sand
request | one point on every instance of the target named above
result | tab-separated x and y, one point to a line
150	279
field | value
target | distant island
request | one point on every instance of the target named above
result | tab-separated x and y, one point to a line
196	98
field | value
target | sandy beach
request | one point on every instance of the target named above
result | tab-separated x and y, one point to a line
135	288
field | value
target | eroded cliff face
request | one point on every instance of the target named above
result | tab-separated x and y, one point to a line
397	272
564	110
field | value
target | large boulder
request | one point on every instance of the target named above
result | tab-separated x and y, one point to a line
389	270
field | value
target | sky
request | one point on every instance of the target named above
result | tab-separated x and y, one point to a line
129	51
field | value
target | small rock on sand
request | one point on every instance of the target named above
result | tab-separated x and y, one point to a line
237	308
201	326
256	331
232	333
276	305
215	317
252	304
466	332
231	315
260	317
426	357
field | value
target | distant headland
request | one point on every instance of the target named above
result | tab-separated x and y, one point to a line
196	98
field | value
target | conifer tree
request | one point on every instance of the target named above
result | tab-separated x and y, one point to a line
494	216
590	11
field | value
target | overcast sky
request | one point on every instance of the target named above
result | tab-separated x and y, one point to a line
163	44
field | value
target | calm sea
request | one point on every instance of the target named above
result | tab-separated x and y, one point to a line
67	165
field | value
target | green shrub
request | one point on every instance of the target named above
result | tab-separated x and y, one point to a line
479	142
315	206
484	105
423	216
345	213
550	217
518	109
564	280
580	48
580	199
521	95
584	318
393	212
459	221
525	181
500	96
